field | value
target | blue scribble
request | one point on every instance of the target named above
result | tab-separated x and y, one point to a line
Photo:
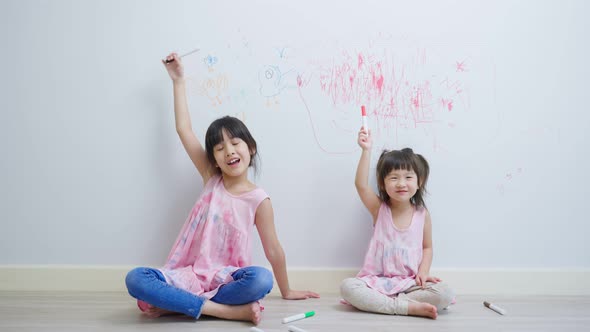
271	81
210	60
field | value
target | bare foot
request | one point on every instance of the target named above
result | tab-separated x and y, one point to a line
248	312
422	309
154	312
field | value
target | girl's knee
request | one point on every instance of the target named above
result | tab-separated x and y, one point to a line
132	281
136	280
264	280
446	294
348	285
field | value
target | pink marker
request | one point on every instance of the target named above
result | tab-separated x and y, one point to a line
364	113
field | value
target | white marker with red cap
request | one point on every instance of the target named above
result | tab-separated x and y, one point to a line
364	113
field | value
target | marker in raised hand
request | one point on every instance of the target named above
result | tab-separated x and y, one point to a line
182	56
364	113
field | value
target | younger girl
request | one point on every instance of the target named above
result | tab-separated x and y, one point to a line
207	271
395	276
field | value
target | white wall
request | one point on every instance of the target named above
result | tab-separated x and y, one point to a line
93	173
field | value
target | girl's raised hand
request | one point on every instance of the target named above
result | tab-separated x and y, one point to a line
364	139
174	68
300	295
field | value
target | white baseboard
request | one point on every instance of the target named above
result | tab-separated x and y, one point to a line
464	281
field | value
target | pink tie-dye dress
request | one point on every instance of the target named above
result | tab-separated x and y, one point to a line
215	240
394	255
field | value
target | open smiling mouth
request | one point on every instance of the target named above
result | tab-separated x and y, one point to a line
233	161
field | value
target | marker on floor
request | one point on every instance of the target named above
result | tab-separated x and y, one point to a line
494	307
295	329
255	329
298	317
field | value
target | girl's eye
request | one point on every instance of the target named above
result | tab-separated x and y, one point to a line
219	148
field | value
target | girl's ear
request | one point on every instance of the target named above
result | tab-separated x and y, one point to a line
252	152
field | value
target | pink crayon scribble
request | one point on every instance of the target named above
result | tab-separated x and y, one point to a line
453	86
460	66
398	95
447	104
380	84
378	79
509	176
301	81
315	130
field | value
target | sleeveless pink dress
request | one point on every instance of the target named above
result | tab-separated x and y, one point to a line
394	255
215	240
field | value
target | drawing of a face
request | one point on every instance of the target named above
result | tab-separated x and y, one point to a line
270	79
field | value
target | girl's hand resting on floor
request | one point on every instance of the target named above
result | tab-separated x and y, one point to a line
300	295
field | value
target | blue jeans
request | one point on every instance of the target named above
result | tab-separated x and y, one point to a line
149	285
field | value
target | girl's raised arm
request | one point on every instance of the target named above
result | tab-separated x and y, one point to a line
183	120
361	181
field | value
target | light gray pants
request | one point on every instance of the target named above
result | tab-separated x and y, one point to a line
357	293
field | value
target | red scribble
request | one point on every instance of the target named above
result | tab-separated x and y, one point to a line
380	85
447	104
460	66
378	79
456	85
398	95
315	135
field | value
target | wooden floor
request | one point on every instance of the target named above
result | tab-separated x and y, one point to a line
117	312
